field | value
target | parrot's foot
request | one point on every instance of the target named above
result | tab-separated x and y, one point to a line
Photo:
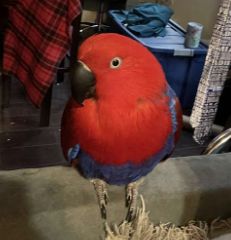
131	197
102	195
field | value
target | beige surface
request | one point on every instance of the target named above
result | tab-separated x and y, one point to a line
56	203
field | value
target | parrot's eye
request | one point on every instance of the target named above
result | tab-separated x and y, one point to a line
115	62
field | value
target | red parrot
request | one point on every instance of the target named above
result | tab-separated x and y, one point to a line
123	118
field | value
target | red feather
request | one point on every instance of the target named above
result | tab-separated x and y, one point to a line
130	119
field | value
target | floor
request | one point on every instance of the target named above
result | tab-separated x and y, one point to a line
23	144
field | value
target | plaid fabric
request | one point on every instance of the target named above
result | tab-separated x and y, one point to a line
36	40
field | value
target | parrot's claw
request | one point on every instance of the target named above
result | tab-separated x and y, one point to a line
128	201
129	216
131	197
105	198
103	212
102	195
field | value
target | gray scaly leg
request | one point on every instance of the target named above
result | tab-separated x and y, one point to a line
131	197
102	195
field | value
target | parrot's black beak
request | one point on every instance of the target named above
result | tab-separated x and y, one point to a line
82	82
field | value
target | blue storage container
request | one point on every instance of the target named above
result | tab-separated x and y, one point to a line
182	66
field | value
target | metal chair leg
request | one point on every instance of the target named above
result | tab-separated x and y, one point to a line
6	90
220	144
75	40
45	108
1	92
60	74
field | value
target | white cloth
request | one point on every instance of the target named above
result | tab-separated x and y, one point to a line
214	74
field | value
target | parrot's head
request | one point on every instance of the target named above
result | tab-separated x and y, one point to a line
116	70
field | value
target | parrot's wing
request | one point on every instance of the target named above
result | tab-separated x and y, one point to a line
69	141
176	116
73	153
172	105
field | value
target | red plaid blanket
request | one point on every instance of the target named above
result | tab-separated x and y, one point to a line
36	40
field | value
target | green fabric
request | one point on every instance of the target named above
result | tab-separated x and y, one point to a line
57	203
146	20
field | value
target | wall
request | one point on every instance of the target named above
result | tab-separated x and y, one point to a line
201	11
90	10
